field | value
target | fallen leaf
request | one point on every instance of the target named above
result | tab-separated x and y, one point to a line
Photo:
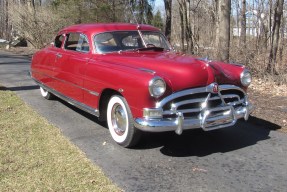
198	169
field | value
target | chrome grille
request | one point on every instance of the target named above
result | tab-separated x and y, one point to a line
193	101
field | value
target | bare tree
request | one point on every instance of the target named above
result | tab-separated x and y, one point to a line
5	25
168	13
187	43
278	11
143	8
243	25
223	29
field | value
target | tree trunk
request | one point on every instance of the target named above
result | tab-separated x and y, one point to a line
7	32
282	40
278	11
114	18
168	9
182	37
243	26
1	18
223	32
141	11
238	19
270	19
188	30
216	18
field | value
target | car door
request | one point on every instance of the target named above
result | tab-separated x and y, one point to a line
71	64
45	64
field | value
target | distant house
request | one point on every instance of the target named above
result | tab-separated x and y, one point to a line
254	24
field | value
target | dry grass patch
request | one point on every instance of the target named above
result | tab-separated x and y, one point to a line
34	156
270	101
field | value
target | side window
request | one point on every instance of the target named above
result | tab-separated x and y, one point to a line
83	44
77	42
59	40
72	41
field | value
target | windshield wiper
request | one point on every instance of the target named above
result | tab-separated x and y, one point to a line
142	49
150	48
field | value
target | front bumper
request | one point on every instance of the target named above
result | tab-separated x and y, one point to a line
227	118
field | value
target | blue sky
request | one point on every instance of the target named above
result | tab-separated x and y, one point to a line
159	5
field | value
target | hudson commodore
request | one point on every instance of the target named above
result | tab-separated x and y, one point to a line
129	76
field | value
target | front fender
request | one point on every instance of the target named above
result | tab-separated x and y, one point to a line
132	83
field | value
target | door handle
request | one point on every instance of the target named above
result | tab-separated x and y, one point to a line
58	55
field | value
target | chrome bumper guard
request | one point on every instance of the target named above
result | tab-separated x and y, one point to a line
205	121
223	115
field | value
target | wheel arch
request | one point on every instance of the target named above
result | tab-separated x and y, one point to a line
104	100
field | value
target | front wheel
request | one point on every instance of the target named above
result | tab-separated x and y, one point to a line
46	94
120	122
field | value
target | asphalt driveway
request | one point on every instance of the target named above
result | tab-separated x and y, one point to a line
247	157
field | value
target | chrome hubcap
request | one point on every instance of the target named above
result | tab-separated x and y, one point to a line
119	119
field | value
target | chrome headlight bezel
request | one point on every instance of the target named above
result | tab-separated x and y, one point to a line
245	78
157	87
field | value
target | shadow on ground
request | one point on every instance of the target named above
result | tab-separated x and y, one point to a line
14	63
83	113
20	88
24	56
200	143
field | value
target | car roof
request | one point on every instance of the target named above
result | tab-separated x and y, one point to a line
94	28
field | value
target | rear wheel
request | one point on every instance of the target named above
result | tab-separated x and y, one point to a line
120	122
46	94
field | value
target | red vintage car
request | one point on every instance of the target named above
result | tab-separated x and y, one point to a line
129	76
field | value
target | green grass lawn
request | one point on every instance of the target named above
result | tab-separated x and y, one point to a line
35	156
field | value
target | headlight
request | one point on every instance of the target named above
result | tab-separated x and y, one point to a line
157	87
245	78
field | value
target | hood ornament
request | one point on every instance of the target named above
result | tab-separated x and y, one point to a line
215	88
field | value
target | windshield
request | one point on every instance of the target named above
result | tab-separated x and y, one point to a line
129	40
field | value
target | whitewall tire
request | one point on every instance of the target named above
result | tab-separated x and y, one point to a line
120	122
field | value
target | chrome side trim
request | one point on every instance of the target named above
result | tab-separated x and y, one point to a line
92	92
70	100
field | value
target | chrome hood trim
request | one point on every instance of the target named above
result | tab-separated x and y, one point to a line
147	70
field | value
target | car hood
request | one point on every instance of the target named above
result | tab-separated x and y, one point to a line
179	71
